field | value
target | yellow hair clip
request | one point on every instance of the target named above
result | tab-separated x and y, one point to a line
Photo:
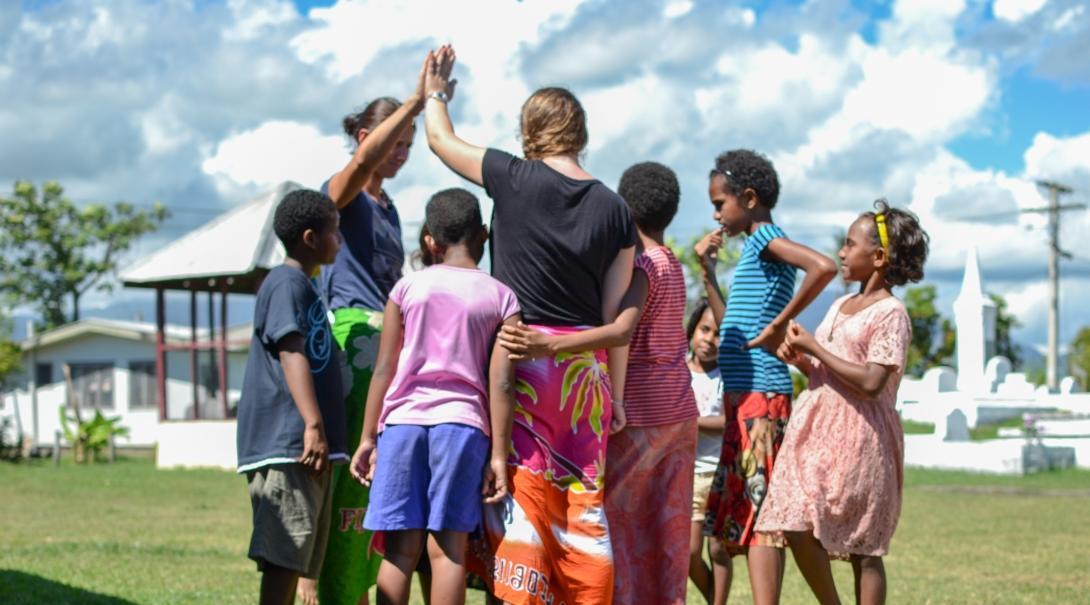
883	235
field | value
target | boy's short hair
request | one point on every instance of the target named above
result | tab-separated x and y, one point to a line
300	210
652	194
453	216
746	169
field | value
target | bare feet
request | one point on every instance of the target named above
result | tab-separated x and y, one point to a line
307	591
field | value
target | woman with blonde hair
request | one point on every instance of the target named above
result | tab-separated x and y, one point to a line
565	244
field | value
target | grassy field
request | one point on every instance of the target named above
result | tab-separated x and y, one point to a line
126	533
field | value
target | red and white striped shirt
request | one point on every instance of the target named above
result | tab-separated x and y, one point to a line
658	388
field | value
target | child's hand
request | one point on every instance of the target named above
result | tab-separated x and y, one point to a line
799	338
620	419
524	342
707	250
495	481
770	338
362	467
315	455
789	354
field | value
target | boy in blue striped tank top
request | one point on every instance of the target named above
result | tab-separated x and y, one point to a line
743	188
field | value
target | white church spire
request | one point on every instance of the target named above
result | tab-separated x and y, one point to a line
974	315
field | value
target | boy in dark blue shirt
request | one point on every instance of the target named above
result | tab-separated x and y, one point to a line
291	424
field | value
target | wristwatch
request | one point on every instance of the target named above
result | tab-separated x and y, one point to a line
440	96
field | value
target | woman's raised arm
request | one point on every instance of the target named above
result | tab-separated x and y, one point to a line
461	157
375	146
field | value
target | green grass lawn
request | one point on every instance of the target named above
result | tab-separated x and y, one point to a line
126	533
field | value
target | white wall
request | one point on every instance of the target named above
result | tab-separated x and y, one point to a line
93	348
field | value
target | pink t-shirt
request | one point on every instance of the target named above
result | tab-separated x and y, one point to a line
451	316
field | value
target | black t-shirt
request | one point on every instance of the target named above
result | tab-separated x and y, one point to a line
270	428
553	238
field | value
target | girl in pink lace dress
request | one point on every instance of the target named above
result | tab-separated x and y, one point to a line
836	488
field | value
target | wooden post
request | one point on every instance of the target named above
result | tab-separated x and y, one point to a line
211	335
160	353
223	348
193	382
56	449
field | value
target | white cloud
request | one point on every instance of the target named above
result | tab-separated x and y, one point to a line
254	16
278	151
1016	10
1067	19
676	8
1057	157
205	104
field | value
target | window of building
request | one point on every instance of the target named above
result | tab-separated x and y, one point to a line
142	384
94	385
43	374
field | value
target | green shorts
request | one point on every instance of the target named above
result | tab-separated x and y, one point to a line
291	509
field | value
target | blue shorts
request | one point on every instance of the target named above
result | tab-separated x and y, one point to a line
428	477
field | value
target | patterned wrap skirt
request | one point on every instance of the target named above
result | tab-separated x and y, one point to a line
755	424
549	542
649	500
352	555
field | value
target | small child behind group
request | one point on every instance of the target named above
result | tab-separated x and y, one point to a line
837	485
291	415
703	333
425	446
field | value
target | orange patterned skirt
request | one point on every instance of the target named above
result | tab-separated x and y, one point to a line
549	543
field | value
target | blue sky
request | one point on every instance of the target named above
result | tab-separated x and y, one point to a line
948	107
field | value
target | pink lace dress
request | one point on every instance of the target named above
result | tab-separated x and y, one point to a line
840	469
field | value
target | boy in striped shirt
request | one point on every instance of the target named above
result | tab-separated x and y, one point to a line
743	188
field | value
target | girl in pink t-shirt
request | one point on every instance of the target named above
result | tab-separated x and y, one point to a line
836	488
425	448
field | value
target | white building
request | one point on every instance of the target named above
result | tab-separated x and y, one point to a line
112	366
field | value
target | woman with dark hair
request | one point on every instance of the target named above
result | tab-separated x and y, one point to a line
356	287
565	244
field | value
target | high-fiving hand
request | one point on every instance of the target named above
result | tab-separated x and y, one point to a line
437	70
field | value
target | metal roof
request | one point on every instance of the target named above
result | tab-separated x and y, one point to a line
238	336
235	250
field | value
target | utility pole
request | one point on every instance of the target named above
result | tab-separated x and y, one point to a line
1054	253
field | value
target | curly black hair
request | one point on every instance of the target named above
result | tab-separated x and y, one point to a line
300	210
694	318
453	216
652	194
908	243
422	257
746	169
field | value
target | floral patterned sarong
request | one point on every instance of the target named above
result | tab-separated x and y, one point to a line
550	541
351	561
754	431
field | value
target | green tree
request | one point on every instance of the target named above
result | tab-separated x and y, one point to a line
838	237
54	252
11	357
1078	358
1004	324
933	336
728	257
